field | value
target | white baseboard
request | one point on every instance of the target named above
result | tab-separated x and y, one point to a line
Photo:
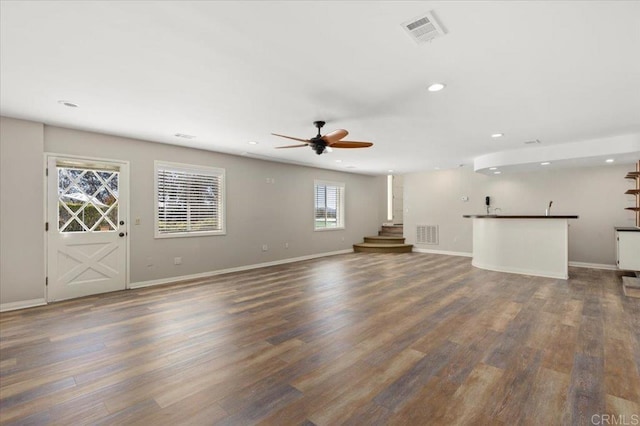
594	265
448	253
149	283
22	304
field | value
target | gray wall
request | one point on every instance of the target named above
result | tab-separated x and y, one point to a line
21	211
596	194
257	213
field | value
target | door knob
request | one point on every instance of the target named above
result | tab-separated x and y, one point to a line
121	234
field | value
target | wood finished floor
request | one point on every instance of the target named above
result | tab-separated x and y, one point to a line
352	339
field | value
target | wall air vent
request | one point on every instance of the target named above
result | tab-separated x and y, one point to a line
533	142
427	234
423	28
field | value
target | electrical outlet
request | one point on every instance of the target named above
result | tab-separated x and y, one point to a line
149	261
465	198
177	261
286	245
265	247
137	222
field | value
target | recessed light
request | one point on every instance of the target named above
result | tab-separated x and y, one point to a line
497	135
436	87
390	170
338	161
493	168
253	143
609	160
546	163
497	172
68	104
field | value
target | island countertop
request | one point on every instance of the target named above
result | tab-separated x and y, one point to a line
523	244
495	216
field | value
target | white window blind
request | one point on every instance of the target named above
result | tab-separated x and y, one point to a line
329	205
189	200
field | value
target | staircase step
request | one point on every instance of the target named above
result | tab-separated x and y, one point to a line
631	286
384	240
382	248
390	231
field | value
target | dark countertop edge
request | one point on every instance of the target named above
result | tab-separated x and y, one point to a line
493	216
627	229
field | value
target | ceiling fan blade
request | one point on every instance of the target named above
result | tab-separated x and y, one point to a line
347	144
291	146
291	137
335	136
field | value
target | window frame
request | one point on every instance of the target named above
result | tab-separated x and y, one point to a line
195	169
341	209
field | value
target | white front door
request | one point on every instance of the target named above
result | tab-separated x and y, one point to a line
87	227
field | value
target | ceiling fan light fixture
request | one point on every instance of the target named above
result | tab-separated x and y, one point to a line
321	144
436	87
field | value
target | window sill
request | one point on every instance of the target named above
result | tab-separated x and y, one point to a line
328	229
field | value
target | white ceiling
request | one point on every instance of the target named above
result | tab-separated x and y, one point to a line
233	72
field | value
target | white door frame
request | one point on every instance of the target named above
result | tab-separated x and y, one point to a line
124	165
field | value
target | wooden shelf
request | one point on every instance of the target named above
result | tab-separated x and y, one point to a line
635	175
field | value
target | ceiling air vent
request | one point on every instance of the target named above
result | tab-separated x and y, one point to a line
184	136
533	142
423	28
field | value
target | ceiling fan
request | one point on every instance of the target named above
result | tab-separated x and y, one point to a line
321	143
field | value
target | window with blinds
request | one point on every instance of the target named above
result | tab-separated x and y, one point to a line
189	200
329	205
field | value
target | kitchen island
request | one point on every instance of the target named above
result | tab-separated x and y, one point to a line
521	244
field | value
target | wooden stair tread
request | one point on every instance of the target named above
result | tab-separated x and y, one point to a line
390	239
382	248
632	282
385	239
631	286
382	245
